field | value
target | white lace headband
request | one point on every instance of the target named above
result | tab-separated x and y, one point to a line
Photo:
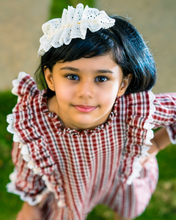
73	24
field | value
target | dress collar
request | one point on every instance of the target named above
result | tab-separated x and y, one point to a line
65	130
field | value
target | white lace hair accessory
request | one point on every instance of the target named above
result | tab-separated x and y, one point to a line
73	24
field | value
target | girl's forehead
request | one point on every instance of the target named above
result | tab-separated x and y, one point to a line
97	62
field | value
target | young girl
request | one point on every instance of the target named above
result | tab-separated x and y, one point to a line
84	139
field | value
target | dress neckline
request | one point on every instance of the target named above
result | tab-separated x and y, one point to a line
57	122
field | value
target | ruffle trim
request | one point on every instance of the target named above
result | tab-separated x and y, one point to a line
27	84
31	165
10	129
61	197
16	83
137	167
24	148
148	124
24	85
66	130
11	187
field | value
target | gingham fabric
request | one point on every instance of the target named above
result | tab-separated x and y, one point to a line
74	171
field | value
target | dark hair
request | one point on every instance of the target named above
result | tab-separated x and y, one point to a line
122	41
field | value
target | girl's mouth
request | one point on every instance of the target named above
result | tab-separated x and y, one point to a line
85	108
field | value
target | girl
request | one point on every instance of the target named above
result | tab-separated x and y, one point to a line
82	140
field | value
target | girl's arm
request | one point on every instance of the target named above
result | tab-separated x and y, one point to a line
163	116
28	212
160	141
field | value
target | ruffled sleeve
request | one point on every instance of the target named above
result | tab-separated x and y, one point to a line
165	113
35	171
24	85
138	111
26	180
145	111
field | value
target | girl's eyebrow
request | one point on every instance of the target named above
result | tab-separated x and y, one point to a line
103	71
70	68
77	70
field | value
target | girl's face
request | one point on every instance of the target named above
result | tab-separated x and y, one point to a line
86	90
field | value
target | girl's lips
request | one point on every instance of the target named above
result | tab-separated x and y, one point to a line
85	108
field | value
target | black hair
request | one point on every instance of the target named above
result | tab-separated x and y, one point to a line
122	41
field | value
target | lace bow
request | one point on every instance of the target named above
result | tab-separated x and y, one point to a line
73	24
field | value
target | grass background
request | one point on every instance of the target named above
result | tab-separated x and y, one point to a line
163	202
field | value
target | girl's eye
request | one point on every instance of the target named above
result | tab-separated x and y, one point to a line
101	79
72	77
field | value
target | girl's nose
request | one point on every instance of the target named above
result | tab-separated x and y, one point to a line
86	90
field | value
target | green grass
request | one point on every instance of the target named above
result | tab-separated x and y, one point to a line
163	202
9	203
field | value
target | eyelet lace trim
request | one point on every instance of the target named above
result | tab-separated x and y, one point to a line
73	24
30	162
137	167
11	187
16	83
32	165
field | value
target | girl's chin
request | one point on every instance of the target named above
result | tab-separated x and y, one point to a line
79	125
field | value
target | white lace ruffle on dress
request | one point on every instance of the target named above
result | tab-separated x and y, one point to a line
11	187
137	167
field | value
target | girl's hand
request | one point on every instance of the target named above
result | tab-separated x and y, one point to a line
159	142
152	151
28	212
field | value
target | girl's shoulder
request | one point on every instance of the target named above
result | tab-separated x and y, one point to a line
29	123
27	115
24	85
137	106
135	111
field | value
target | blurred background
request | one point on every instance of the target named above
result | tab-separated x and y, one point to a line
20	25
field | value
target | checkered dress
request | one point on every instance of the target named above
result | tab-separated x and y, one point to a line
70	172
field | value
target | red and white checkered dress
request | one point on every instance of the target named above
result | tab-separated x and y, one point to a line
70	171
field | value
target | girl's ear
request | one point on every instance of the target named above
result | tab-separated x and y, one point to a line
124	85
49	79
